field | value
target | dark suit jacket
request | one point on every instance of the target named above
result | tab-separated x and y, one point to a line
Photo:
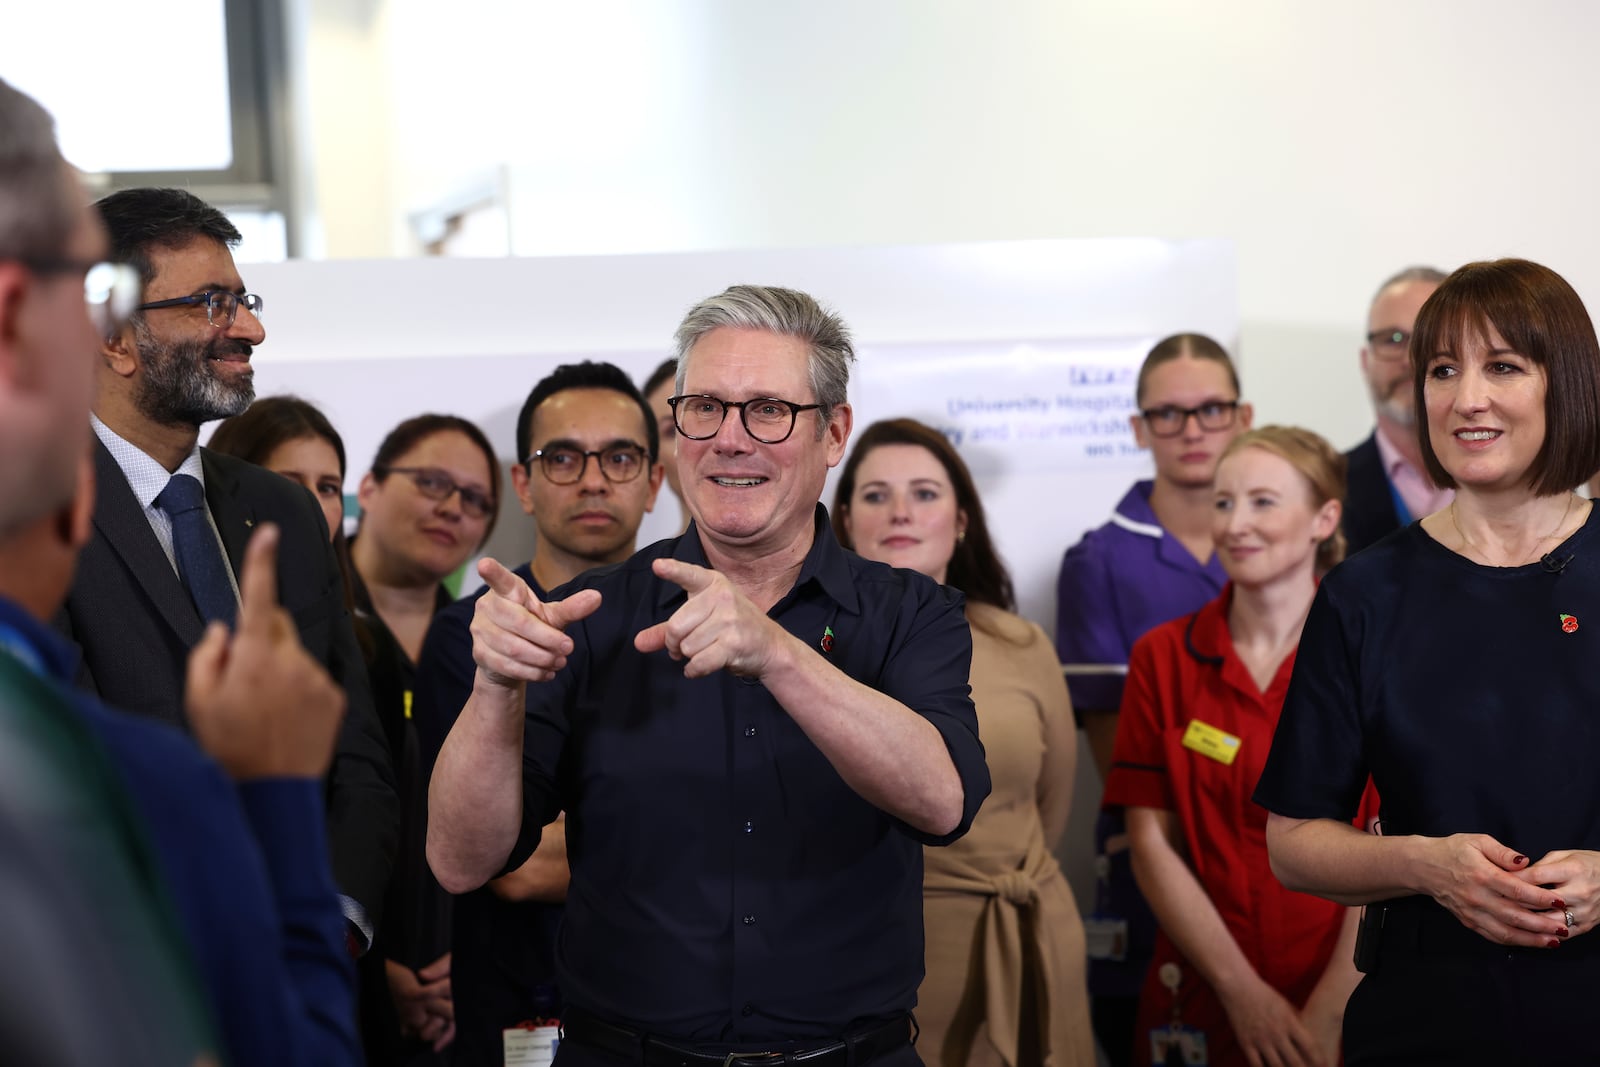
135	624
1369	514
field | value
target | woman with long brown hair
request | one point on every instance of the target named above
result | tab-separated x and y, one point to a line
1005	948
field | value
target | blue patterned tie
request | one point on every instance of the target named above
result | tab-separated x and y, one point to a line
200	560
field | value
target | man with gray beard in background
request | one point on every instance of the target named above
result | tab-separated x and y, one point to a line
171	519
1388	485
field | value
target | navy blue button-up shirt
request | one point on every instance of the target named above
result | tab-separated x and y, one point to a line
727	885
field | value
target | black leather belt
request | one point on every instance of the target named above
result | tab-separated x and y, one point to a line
852	1050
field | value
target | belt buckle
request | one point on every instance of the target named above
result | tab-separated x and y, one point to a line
732	1059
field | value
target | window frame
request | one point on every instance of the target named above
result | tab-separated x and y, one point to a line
261	117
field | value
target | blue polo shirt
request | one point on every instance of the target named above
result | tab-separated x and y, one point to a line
727	885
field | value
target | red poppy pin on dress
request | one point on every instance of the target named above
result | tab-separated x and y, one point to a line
1569	624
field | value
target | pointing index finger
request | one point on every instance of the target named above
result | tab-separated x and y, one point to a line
691	578
505	583
258	579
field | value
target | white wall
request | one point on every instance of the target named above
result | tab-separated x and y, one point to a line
1332	143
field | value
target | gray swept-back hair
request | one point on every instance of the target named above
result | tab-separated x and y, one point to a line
782	311
37	211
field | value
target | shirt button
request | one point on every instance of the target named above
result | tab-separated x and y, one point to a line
749	731
749	827
748	1009
749	920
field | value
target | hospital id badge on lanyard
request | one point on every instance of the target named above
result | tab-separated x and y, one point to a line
1172	1046
530	1045
1176	1045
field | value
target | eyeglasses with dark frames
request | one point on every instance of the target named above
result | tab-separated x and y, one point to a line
222	307
1170	420
436	484
110	290
766	418
565	465
1389	345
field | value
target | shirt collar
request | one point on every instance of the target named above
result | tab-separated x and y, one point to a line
1133	512
826	562
1393	461
35	645
1207	633
1210	641
1134	515
146	477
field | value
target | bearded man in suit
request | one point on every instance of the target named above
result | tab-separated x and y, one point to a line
171	519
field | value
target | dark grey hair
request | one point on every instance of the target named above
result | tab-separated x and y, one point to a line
37	209
782	311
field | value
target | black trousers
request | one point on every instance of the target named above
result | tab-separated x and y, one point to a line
1441	994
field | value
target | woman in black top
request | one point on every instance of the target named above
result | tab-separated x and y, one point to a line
1454	662
428	504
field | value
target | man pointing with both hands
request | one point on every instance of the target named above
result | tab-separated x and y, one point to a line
753	733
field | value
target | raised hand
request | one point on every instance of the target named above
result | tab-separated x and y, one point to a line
518	638
257	700
717	628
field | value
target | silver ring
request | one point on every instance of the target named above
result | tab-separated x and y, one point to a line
1572	920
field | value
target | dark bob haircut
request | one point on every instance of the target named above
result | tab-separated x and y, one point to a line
975	567
1539	316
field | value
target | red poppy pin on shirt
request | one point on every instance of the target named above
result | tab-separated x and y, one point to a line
1569	624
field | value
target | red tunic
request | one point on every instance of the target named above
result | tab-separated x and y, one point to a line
1187	670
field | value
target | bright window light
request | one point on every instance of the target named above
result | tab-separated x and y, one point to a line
133	87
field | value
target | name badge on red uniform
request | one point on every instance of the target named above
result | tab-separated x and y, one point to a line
1209	741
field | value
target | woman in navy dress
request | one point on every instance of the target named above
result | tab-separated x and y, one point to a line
1454	661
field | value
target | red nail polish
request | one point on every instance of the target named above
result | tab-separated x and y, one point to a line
1563	932
1519	859
1559	903
1554	943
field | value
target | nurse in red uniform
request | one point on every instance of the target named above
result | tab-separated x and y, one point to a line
1245	971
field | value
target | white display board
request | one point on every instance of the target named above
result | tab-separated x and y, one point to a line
1023	352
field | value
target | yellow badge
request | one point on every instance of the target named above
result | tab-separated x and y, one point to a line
1210	741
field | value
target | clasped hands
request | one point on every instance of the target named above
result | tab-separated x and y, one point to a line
517	638
1498	893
